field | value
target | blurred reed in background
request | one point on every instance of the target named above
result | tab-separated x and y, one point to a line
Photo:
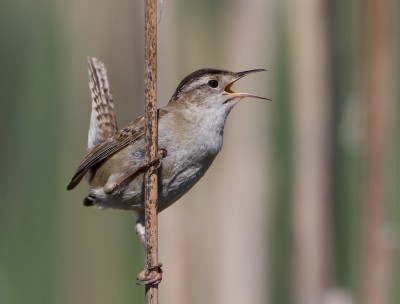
302	204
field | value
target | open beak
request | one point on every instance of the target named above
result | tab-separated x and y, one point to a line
228	88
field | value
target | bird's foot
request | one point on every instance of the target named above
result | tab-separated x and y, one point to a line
151	276
157	160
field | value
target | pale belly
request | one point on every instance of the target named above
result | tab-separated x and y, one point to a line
188	158
178	173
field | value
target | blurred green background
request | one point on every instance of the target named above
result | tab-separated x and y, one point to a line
302	205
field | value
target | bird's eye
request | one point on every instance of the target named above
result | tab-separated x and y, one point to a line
213	83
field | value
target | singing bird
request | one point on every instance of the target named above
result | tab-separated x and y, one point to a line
190	134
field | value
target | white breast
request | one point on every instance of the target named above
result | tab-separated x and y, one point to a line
191	150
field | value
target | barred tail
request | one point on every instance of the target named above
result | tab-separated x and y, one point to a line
103	123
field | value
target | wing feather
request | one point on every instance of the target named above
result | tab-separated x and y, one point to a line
124	137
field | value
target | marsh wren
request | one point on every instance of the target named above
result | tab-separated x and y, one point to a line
190	133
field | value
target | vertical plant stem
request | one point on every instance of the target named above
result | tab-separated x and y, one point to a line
377	95
151	144
311	152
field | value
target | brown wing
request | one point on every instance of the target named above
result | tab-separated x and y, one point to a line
121	139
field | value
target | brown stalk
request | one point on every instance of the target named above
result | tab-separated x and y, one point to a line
150	42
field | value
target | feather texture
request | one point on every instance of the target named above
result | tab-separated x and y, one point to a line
103	123
108	147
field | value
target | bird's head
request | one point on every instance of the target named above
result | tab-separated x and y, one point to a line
211	88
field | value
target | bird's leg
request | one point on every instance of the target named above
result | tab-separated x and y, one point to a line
110	187
150	275
140	228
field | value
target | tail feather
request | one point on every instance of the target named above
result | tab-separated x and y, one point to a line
103	123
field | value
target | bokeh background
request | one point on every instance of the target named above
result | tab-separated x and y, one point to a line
302	204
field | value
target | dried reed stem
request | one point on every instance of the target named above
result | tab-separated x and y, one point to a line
151	144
